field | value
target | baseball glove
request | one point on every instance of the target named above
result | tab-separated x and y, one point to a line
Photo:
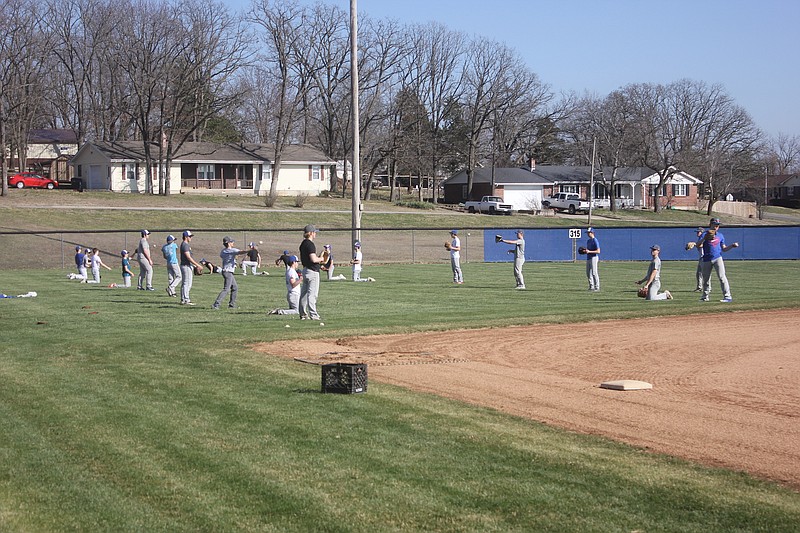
498	238
710	234
324	257
690	245
446	245
642	292
582	250
198	271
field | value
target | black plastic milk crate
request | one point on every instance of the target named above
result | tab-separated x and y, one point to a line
344	378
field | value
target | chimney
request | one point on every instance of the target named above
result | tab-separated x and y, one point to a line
533	164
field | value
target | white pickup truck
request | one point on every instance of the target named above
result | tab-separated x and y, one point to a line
566	201
489	204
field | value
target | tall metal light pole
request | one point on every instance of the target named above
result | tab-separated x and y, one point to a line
356	178
591	181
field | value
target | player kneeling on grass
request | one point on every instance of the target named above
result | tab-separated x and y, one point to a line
652	280
358	259
293	281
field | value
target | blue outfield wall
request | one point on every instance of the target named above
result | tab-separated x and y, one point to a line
633	244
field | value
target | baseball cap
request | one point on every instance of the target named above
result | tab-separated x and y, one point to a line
226	240
310	228
170	238
453	232
328	246
145	232
252	245
123	253
78	248
589	230
655	247
292	259
188	233
357	244
714	222
520	231
286	252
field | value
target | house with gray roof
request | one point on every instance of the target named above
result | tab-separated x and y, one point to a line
525	188
204	167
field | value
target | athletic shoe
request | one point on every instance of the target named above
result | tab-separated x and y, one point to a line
150	289
703	299
370	279
273	312
520	287
669	295
187	303
698	290
726	300
169	292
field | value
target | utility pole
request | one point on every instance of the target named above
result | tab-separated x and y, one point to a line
356	205
591	181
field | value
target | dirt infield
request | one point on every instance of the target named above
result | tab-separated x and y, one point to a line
726	387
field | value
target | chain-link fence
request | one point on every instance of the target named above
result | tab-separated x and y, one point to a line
52	249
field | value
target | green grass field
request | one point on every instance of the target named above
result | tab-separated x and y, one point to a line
122	411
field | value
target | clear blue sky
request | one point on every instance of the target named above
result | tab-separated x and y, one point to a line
751	47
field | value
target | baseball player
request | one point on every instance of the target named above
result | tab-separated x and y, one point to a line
293	281
357	261
713	245
127	274
592	260
652	280
699	272
455	257
519	257
80	264
145	281
174	276
309	290
228	255
253	260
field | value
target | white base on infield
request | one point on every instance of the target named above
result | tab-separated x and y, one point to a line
626	384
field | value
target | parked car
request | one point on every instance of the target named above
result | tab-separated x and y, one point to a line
31	179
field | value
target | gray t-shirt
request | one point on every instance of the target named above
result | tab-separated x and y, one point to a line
519	249
655	264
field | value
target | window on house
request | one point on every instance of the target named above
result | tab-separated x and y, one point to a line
680	189
568	188
205	172
316	172
652	189
600	191
623	191
80	170
129	171
266	172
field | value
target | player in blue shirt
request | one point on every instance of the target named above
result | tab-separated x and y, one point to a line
713	245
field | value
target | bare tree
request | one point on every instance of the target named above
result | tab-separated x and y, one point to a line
286	80
325	56
784	152
23	49
492	82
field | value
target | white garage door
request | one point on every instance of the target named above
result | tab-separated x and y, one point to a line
523	198
96	179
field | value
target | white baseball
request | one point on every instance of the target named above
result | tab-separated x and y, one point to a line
287	326
322	323
260	242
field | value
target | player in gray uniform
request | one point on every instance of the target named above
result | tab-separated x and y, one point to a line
455	258
519	257
652	280
145	281
699	272
592	259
